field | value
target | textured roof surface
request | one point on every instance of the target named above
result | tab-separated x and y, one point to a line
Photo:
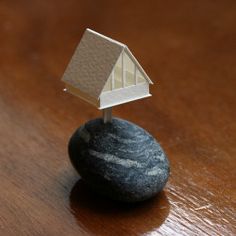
92	63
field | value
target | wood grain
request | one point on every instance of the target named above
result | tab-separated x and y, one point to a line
188	49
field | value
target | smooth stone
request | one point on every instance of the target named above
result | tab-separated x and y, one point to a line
119	160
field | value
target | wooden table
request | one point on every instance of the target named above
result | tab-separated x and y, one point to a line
188	48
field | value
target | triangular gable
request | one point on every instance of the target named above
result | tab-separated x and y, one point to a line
130	69
138	65
92	63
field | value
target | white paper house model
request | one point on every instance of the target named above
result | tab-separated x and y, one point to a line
105	73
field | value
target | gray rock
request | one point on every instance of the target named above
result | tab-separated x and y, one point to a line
119	160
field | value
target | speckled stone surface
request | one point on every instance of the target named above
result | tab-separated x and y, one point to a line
119	160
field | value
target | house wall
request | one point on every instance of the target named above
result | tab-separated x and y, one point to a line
123	95
77	92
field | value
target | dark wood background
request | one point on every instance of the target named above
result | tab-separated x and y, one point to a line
187	47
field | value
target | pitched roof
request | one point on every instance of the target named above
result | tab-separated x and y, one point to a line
93	61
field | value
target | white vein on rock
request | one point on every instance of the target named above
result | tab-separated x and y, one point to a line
125	140
154	171
115	160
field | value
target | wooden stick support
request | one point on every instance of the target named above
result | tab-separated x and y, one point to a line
107	115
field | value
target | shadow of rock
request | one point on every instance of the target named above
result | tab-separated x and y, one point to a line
101	216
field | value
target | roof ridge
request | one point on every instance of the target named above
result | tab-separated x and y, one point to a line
105	37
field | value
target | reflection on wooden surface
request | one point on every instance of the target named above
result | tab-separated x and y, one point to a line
121	218
188	50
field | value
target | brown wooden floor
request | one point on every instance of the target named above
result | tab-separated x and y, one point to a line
187	47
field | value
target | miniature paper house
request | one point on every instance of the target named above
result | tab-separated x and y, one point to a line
105	73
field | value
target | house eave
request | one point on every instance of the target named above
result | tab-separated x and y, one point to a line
130	100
